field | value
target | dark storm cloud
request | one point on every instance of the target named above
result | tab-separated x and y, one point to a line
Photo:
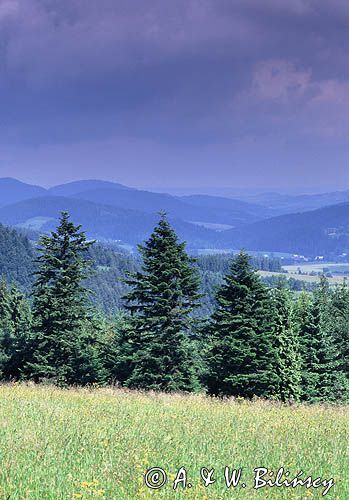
207	84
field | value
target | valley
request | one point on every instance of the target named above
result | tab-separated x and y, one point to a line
303	229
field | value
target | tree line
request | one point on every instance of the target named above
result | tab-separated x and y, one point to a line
110	264
258	342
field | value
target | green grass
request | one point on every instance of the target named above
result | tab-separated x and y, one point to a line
318	267
335	280
64	444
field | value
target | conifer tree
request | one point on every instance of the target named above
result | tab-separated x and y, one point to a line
340	324
162	297
322	378
118	348
21	321
241	350
6	327
287	348
15	323
62	344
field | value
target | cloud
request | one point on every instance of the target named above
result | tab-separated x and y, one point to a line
327	112
8	9
297	7
177	75
68	39
285	94
279	79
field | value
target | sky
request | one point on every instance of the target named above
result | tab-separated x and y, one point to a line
184	93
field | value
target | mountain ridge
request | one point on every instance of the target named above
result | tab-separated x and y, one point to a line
314	232
99	221
117	212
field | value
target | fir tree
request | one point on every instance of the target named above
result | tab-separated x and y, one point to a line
118	348
340	324
15	326
6	328
21	320
241	351
287	348
322	378
162	297
62	344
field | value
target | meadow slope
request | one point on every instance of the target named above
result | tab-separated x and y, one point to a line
79	443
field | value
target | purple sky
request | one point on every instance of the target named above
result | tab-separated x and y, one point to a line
241	93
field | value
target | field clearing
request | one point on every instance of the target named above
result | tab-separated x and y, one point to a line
335	280
318	267
79	443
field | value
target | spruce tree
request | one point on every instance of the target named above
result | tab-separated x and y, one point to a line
6	328
162	297
340	325
322	377
62	344
287	348
118	348
241	349
15	323
21	320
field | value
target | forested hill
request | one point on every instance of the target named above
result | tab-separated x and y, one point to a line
16	257
110	268
102	222
110	211
12	191
318	232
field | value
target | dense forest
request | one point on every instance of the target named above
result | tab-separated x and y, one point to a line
16	257
253	340
324	231
110	266
313	225
108	281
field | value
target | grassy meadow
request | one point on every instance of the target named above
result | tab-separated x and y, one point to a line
335	280
79	443
318	267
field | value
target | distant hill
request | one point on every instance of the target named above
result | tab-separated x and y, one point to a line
240	210
112	211
191	209
103	222
12	191
318	232
284	203
72	188
206	211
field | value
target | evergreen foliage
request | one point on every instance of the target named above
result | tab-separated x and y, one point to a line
287	347
16	257
340	325
6	328
118	348
241	352
257	341
322	377
162	297
62	344
15	324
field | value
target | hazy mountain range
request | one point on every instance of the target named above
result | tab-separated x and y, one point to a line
111	211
